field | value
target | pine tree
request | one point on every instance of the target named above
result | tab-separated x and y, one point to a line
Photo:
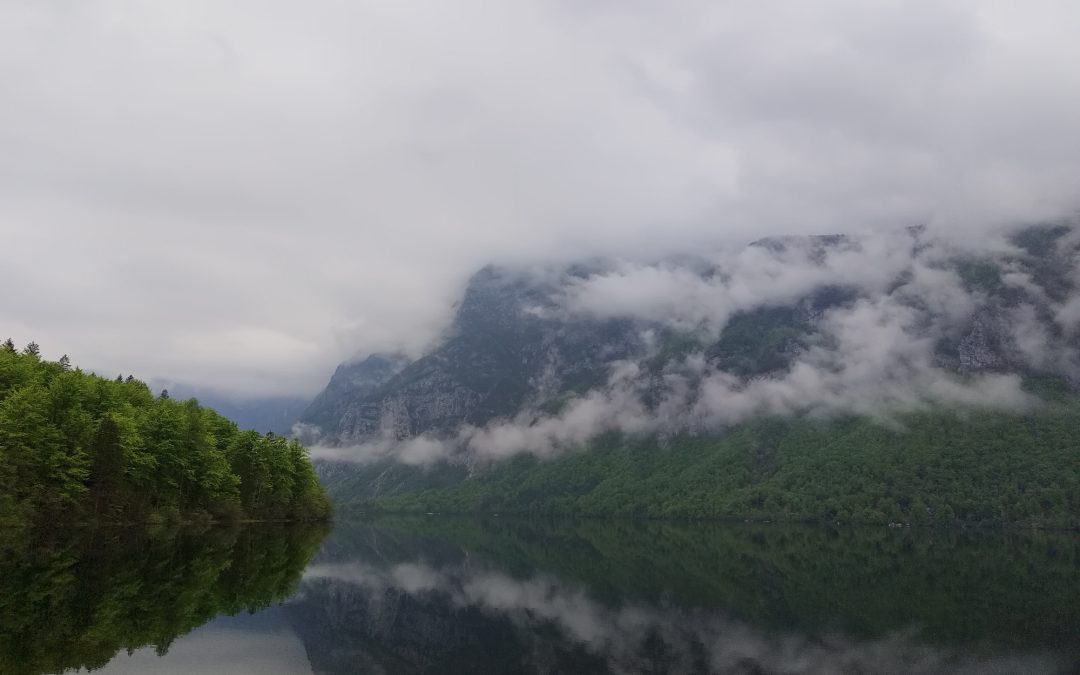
32	349
9	345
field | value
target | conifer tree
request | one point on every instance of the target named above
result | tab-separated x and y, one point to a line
77	447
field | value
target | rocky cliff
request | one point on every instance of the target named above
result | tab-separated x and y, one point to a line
540	359
504	352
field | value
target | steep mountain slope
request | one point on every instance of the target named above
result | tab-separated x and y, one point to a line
881	331
500	355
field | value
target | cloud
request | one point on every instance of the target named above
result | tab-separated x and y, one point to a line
777	272
873	349
242	195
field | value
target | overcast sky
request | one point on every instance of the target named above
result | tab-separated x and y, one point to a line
242	194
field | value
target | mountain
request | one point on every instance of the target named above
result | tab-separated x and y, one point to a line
269	414
500	355
779	371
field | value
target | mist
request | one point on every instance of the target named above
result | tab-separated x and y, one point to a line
875	354
240	196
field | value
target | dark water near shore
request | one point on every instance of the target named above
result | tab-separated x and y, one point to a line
446	595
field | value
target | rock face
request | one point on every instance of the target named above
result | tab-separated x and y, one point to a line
334	408
518	349
503	353
987	344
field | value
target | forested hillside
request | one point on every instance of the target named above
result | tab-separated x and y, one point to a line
75	447
934	467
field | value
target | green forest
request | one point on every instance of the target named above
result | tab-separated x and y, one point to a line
936	466
75	447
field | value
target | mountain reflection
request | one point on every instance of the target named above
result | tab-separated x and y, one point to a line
457	596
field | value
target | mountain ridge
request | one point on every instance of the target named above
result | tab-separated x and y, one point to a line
545	360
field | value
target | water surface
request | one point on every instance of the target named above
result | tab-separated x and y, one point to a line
445	595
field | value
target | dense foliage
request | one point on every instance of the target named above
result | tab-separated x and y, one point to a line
76	598
77	447
931	467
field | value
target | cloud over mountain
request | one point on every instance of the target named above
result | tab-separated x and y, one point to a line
876	325
356	162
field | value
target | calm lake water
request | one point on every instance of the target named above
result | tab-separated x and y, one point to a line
449	595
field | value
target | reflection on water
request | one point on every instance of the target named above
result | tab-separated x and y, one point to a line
651	598
75	598
256	644
442	595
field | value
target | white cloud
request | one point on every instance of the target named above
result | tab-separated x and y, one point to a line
876	353
319	179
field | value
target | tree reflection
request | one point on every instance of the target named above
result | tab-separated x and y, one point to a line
75	598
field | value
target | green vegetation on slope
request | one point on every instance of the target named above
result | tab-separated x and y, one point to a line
75	447
933	467
78	597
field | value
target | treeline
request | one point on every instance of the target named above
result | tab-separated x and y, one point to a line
934	467
76	447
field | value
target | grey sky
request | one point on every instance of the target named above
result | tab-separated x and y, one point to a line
242	194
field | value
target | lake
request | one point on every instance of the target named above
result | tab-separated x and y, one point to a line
459	595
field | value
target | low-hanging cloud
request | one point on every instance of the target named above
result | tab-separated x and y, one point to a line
874	353
673	292
241	195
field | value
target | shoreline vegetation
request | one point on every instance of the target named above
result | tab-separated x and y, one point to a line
81	449
966	468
